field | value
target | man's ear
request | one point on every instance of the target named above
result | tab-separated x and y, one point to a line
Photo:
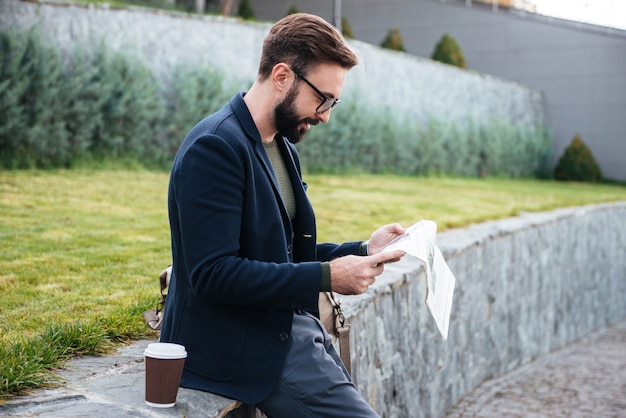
282	76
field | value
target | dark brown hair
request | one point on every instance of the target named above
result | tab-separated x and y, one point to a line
304	40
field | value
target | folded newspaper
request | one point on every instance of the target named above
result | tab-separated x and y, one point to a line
419	242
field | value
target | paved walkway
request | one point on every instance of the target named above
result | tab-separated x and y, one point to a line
584	379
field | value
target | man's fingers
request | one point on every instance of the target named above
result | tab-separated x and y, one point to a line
397	228
388	256
385	257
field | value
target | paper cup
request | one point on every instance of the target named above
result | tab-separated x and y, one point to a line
164	367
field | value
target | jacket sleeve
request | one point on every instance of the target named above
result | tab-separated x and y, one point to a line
328	251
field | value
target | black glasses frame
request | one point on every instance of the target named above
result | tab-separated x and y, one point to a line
327	102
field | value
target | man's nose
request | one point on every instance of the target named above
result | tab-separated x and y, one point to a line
324	117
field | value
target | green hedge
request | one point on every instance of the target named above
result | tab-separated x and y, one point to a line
378	141
96	105
93	106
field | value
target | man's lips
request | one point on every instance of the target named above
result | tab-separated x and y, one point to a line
306	124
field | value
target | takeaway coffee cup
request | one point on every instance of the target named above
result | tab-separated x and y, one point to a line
164	367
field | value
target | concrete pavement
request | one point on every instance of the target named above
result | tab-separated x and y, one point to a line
584	379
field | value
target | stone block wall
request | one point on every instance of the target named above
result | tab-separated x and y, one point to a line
525	286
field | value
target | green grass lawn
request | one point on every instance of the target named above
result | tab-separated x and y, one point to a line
81	250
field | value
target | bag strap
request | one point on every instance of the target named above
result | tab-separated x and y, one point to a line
343	332
164	279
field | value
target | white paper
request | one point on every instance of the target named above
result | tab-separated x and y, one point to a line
419	241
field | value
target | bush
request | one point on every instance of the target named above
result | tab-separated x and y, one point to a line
130	108
293	9
346	29
59	109
366	139
449	52
93	106
194	94
32	104
97	106
577	163
246	11
393	40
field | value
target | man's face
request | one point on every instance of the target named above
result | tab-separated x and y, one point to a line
288	123
295	115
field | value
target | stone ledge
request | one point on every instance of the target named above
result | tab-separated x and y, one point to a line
113	386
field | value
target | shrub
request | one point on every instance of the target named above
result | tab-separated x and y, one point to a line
12	89
130	108
99	106
393	40
577	163
246	11
293	9
194	94
32	104
346	29
60	109
368	139
449	52
165	4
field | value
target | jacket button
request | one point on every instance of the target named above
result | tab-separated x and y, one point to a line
283	336
289	249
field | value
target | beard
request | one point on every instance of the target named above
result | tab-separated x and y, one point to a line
287	120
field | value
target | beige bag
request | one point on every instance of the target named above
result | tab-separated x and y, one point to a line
154	317
334	321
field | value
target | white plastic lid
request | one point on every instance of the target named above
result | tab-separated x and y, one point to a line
165	351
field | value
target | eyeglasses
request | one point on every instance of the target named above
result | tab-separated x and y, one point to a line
327	102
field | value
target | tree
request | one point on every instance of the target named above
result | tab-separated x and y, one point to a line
449	52
393	40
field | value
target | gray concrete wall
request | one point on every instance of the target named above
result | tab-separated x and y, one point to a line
578	67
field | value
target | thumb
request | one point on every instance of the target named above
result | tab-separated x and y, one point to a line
387	256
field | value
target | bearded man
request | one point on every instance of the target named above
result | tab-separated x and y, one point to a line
247	270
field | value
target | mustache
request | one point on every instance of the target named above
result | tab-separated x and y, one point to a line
312	122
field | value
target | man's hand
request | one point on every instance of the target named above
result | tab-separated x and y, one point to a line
353	275
383	236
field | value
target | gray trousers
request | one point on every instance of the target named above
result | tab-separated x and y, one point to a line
314	383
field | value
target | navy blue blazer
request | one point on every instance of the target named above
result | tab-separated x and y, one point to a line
240	265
